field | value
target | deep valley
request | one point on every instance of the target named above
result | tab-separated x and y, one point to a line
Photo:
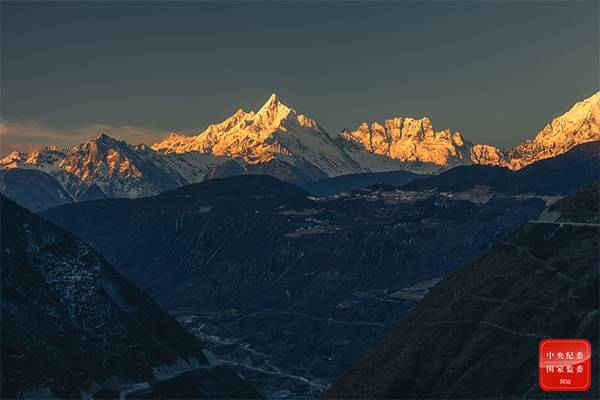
288	287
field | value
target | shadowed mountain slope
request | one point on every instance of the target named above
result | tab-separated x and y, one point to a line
565	173
476	334
346	183
35	190
73	327
289	287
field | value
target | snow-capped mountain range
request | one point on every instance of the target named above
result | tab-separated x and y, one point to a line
108	166
277	140
275	133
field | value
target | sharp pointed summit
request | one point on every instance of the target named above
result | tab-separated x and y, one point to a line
275	135
107	140
273	99
279	141
273	111
102	135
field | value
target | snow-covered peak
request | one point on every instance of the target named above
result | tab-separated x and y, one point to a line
582	110
275	131
246	129
46	159
106	140
272	112
241	130
173	140
272	103
581	124
113	166
415	140
13	160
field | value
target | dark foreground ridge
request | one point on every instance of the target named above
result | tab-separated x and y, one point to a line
347	183
476	334
285	286
73	327
562	174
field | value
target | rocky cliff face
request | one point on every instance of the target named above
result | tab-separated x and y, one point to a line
116	168
476	334
415	140
72	327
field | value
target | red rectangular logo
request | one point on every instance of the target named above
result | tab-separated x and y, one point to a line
565	365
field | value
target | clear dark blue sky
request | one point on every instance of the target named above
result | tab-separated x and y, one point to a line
496	71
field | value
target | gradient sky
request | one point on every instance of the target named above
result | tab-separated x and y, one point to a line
496	71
